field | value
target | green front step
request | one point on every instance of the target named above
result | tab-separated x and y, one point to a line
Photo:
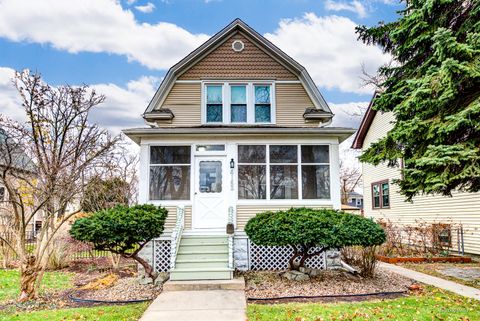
202	258
184	274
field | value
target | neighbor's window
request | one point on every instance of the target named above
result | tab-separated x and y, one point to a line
2	193
234	103
252	172
238	103
170	172
315	171
214	104
381	195
294	172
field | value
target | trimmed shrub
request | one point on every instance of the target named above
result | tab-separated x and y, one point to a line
122	230
304	229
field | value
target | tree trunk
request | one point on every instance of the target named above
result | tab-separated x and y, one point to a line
28	279
291	262
146	266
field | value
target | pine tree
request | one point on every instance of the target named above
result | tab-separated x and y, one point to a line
433	89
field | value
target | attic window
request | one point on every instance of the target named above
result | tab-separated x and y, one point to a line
238	45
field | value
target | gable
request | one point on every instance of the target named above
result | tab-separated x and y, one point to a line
250	63
269	61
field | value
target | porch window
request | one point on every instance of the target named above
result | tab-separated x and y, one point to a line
291	171
380	195
284	174
252	172
315	172
170	172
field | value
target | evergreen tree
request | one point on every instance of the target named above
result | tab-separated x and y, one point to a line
433	89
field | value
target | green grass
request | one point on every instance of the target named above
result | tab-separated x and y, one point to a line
103	313
10	283
434	304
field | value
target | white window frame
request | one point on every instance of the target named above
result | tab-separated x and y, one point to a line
300	200
226	101
170	202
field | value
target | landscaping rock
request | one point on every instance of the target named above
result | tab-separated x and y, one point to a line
296	276
310	271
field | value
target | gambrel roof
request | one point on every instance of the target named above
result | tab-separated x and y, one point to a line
322	109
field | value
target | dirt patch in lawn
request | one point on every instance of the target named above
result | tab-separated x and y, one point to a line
336	283
125	289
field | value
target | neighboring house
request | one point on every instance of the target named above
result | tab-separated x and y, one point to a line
21	165
355	199
383	201
237	127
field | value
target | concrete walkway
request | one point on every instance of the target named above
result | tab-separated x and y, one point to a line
433	280
206	305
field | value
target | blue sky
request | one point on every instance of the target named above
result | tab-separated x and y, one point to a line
123	48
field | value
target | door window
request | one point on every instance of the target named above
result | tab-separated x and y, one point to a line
210	179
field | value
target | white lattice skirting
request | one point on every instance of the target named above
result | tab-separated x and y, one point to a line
258	257
276	258
161	255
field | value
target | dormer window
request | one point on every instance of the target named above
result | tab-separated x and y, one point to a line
238	103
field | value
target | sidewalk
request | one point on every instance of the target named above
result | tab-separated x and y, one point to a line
208	305
433	280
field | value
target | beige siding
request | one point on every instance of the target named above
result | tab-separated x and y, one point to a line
184	100
251	63
463	208
291	101
246	212
172	217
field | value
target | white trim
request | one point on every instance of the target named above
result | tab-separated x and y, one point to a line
335	176
226	101
188	81
288	81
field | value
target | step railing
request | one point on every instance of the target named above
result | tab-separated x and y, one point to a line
177	235
230	238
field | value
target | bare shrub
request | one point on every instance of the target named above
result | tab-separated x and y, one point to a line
419	239
363	258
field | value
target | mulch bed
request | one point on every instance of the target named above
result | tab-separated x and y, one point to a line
451	259
328	283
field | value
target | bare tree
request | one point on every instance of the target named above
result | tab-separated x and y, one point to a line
350	178
43	164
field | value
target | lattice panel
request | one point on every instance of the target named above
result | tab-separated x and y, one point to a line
161	255
276	258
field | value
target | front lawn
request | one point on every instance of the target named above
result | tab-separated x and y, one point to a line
433	304
57	281
10	283
128	312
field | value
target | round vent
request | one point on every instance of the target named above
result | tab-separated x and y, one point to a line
238	45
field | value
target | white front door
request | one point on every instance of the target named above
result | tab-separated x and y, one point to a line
210	193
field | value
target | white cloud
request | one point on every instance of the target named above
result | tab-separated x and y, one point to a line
96	26
348	114
148	8
328	48
354	6
122	108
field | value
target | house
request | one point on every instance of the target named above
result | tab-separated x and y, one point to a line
237	127
461	212
355	199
